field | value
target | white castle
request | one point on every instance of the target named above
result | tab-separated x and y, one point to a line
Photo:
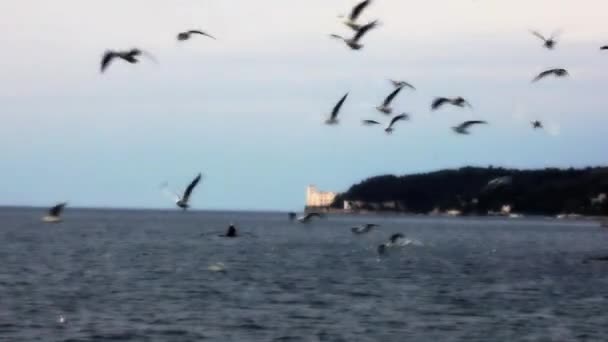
318	199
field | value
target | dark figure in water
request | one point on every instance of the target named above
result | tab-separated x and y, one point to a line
292	216
231	233
382	249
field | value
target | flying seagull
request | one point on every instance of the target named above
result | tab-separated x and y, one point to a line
456	101
182	201
353	42
557	72
364	228
306	218
54	215
550	42
536	124
187	34
370	122
351	21
400	84
333	119
386	105
605	47
498	182
463	127
130	56
403	116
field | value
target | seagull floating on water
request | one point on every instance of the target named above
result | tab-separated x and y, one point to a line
364	228
333	119
182	201
557	72
390	128
386	105
536	124
54	215
353	42
401	84
463	127
187	34
130	56
456	101
548	43
351	21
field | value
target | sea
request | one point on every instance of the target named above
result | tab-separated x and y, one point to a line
120	275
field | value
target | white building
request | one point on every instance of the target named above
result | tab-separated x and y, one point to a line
316	198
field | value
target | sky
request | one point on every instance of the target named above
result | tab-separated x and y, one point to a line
248	109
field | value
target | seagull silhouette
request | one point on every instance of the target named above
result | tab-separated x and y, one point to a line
306	218
333	119
351	21
353	42
130	56
370	122
187	35
548	43
557	72
400	84
54	215
537	124
386	105
456	101
182	201
463	127
390	128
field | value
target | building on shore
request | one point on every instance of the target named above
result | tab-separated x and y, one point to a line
319	200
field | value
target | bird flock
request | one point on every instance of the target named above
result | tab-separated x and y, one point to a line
352	21
359	29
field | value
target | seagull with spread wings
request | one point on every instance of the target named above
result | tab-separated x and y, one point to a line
397	118
548	43
54	215
463	127
401	84
182	201
557	72
456	101
130	56
351	21
353	42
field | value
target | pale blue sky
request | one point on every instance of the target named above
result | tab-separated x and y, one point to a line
248	109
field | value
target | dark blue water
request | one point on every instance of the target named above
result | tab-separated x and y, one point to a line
144	276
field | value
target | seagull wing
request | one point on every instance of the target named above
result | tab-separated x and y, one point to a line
605	47
468	124
363	30
543	75
403	116
56	210
357	10
540	36
201	33
190	187
108	56
336	110
391	96
336	36
438	102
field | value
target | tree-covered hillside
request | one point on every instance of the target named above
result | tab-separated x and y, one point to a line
545	192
